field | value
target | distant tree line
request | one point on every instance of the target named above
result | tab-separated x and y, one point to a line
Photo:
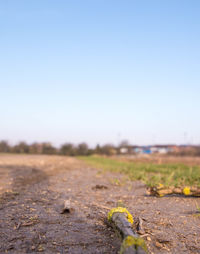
47	148
83	149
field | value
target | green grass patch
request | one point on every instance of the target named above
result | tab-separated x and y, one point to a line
177	175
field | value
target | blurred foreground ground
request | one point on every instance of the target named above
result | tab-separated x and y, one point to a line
33	189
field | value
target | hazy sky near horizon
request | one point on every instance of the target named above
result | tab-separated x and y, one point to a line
100	71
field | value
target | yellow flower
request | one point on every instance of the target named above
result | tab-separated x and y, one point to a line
186	191
120	210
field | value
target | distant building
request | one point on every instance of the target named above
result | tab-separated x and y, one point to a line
161	149
124	150
152	149
142	150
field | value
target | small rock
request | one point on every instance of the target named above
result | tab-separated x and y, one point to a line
158	245
148	238
41	248
67	207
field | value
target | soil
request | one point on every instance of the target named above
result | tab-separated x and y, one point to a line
33	190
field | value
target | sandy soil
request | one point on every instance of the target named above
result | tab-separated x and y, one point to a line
33	189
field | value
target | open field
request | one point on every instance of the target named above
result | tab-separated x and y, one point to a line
33	189
150	170
162	159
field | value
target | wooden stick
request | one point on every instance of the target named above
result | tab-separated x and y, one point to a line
163	191
131	244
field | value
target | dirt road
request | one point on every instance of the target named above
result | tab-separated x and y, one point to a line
33	189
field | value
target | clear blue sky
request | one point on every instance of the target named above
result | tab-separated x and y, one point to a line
100	71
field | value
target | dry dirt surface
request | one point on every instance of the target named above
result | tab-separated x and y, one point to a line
34	188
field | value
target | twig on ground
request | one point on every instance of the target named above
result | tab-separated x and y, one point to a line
122	220
161	191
